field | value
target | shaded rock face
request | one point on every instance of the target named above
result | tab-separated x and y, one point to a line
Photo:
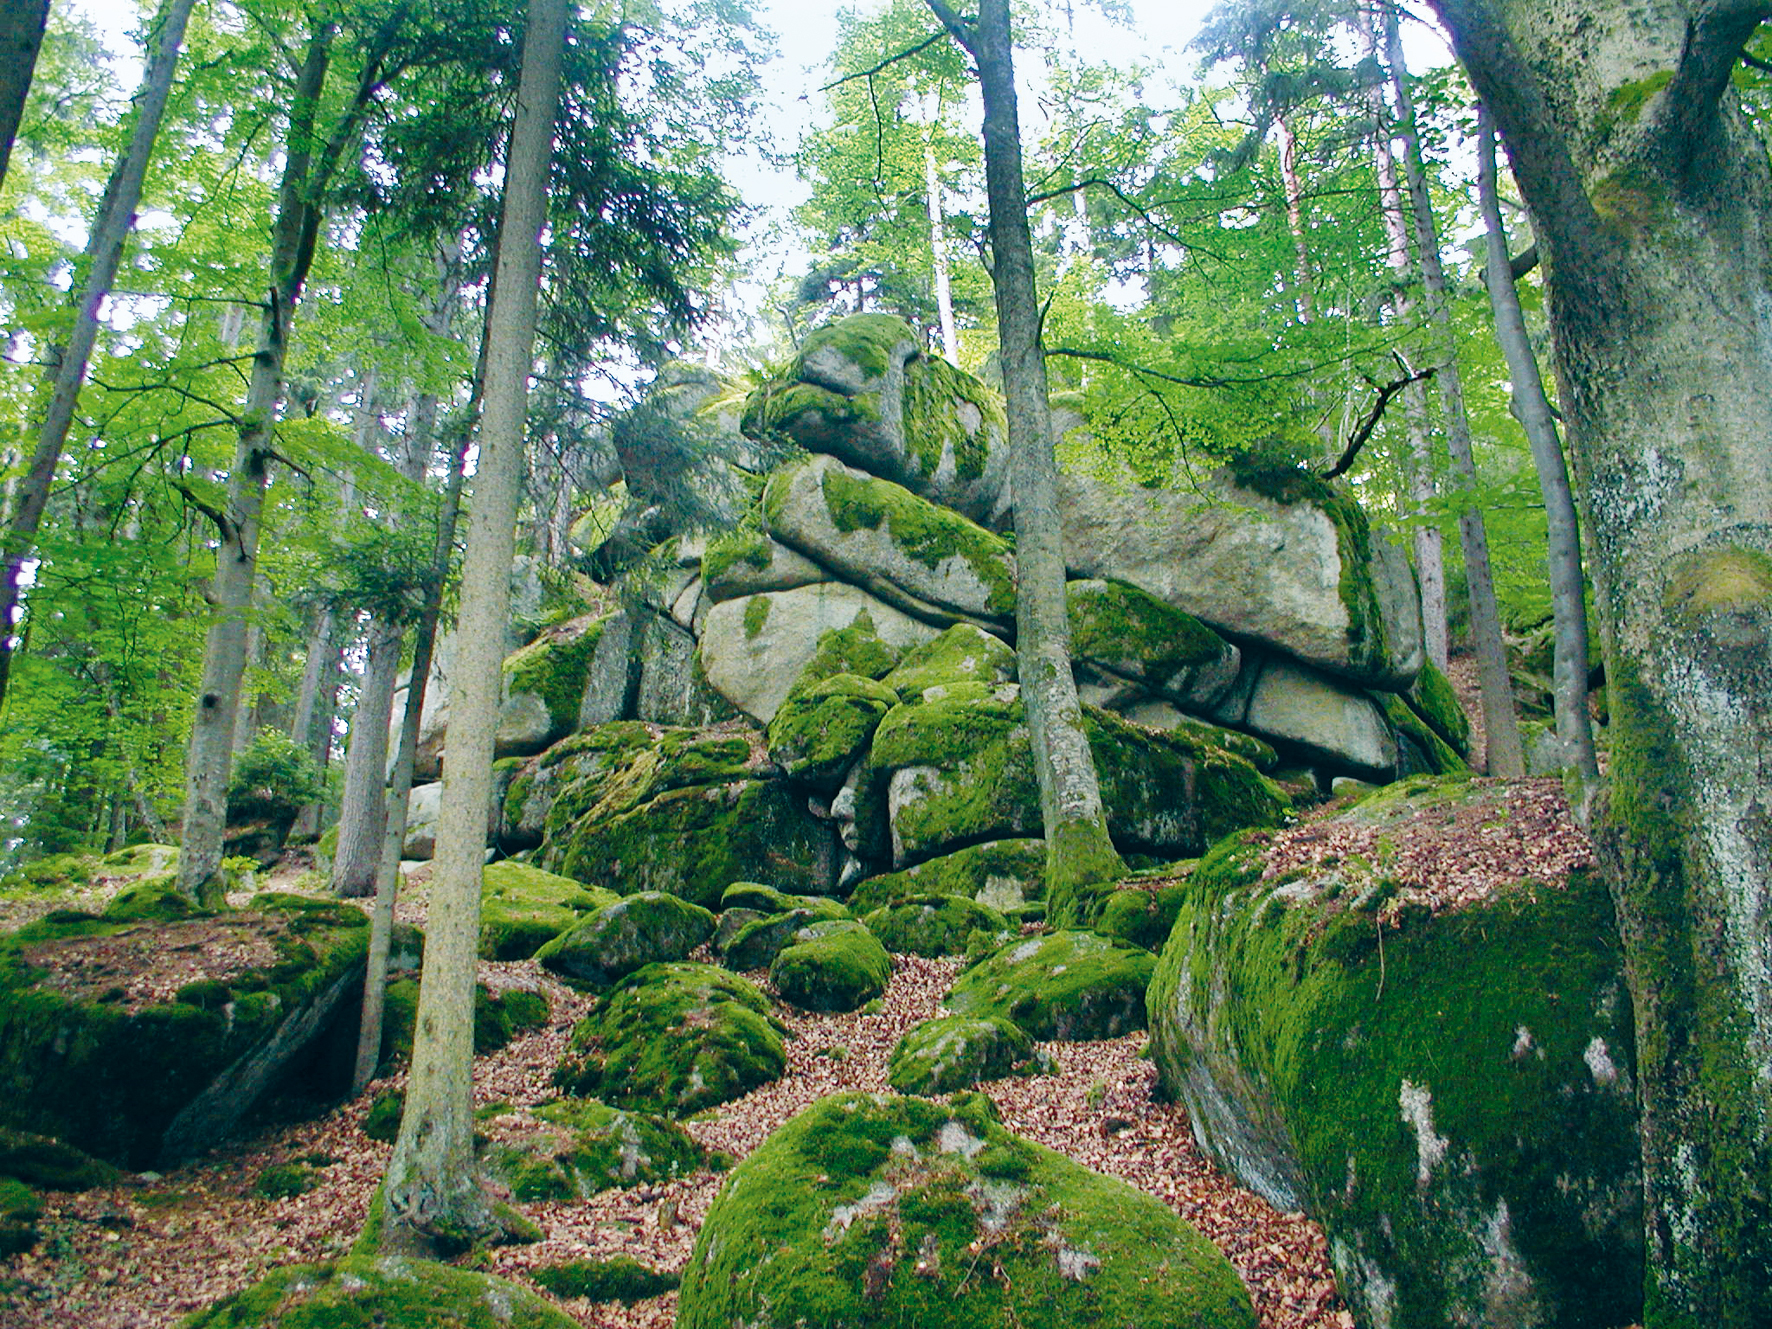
872	1209
117	1067
1449	1093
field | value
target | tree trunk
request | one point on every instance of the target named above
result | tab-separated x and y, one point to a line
1078	849
1650	201
363	806
1307	295
1563	534
433	1197
21	36
938	255
1418	462
210	757
104	254
1501	728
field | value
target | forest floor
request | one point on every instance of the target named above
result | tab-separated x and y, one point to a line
143	1253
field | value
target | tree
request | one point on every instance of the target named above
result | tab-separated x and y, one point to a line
21	34
1078	849
432	1193
1649	198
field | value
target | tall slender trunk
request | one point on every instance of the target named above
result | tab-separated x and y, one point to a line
245	714
363	806
1078	848
104	254
1418	461
1289	181
938	255
1563	533
387	877
431	1192
21	36
320	659
1502	731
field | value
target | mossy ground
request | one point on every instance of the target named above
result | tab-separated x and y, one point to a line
360	1292
867	1210
1064	985
674	1038
1436	1079
831	966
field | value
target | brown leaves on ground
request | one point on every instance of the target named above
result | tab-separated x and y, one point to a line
140	1255
147	964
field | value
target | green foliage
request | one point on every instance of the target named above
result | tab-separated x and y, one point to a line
273	778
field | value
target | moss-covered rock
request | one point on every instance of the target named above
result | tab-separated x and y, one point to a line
1071	986
554	668
386	1291
20	1208
954	1052
965	653
617	1278
837	965
824	729
922	557
522	908
937	925
871	1210
756	943
1449	1093
574	1147
629	934
151	900
51	1165
1134	636
91	1053
767	900
1421	750
674	1038
1431	697
550	791
1003	874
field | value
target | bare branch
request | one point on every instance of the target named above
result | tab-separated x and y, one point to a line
1358	439
888	62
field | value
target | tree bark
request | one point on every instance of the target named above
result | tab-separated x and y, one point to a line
1306	287
433	1197
938	255
1078	848
363	806
209	758
104	254
21	37
1650	196
1563	533
1501	727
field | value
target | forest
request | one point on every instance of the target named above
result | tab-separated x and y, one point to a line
1149	706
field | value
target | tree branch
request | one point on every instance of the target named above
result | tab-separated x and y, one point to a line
1373	416
888	62
965	31
1716	37
224	524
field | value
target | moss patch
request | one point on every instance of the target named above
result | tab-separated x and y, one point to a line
1064	985
936	925
831	966
574	1148
963	654
674	1038
522	908
627	935
51	1165
1135	634
956	1052
1717	581
362	1292
555	667
869	1210
1395	1074
497	1020
1000	873
820	731
936	424
1431	697
617	1278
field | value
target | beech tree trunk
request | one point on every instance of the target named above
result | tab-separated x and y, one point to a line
1650	196
938	256
209	758
363	806
433	1197
104	254
1306	285
1501	727
21	36
1563	533
1078	848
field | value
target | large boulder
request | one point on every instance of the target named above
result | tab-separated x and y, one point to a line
835	965
523	908
935	925
391	1291
1004	874
861	390
551	791
876	1209
572	1148
754	650
926	559
1071	986
544	686
1132	637
629	934
145	1042
747	562
965	653
1265	555
1314	714
954	1052
824	728
1411	1021
674	1038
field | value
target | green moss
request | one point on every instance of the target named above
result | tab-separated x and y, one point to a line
1064	985
555	666
363	1292
382	1121
756	943
962	654
999	873
856	649
935	925
926	532
585	1147
867	341
768	900
674	1038
1625	102
497	1020
1140	914
836	965
19	1211
617	1278
285	1181
155	900
878	1210
51	1165
58	873
745	544
1431	697
111	1079
1441	758
1504	1013
1717	581
522	908
1135	634
819	732
811	416
624	936
756	614
957	1052
934	392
